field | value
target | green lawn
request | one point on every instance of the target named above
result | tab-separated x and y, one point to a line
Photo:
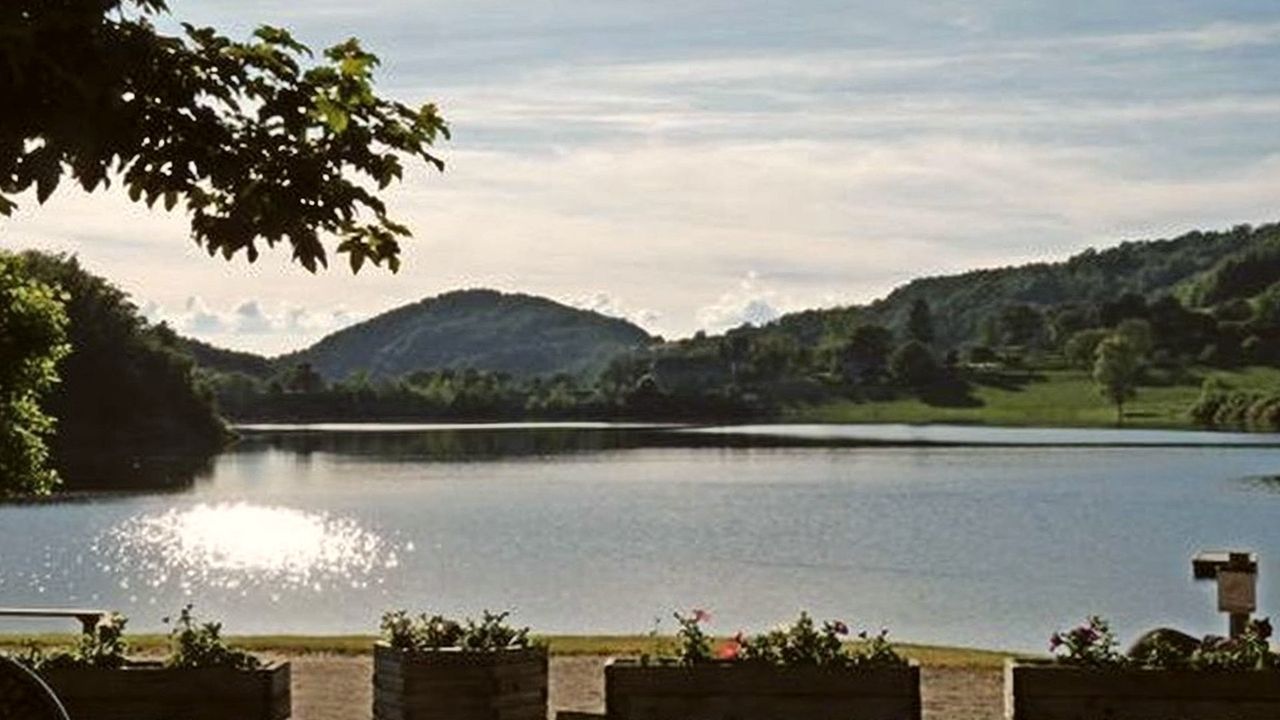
1039	398
623	645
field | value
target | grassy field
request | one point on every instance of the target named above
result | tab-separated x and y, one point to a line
622	645
1057	398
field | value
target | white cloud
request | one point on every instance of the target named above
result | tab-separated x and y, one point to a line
607	304
1205	38
250	324
196	320
750	303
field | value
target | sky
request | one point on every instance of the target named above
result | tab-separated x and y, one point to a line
699	164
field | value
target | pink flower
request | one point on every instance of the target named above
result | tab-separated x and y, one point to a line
701	616
730	650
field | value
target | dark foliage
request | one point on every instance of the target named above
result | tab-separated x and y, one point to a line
127	386
257	146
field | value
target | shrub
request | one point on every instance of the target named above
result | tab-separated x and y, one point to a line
1081	349
104	647
194	644
191	645
429	633
802	644
913	365
1092	644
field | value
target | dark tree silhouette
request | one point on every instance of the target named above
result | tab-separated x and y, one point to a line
258	147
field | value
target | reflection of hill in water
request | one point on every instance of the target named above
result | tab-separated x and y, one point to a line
451	445
87	472
1263	483
465	445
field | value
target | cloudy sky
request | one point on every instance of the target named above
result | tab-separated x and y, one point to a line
700	163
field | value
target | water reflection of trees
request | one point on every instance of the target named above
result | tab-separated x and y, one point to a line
450	445
84	471
1265	483
467	445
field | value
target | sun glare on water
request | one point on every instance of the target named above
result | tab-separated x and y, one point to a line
235	545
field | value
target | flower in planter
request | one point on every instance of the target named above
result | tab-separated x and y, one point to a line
695	645
194	644
1250	651
800	644
427	633
732	649
1092	644
1089	644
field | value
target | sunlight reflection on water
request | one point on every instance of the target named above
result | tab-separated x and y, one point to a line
235	546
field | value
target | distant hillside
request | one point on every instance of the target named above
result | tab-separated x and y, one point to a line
228	361
1202	269
482	329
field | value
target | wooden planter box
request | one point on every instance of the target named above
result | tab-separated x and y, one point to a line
148	691
452	684
1043	690
750	691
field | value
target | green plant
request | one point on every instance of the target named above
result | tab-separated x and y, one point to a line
193	644
427	633
1090	644
1250	651
877	651
492	633
801	644
103	647
694	645
33	323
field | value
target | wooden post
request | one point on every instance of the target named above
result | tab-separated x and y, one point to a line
1236	575
1237	583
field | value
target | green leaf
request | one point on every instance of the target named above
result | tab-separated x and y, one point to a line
335	117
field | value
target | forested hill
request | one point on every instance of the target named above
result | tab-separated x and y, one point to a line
1202	269
517	334
228	361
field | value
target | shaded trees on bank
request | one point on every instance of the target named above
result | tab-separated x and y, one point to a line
127	385
32	342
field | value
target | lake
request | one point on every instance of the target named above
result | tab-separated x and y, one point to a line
948	535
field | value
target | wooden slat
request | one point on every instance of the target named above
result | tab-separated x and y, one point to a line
147	693
759	679
507	685
760	692
1121	682
1040	691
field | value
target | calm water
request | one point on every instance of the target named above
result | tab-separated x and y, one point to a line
599	529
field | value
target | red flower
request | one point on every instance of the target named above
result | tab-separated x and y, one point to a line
730	650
